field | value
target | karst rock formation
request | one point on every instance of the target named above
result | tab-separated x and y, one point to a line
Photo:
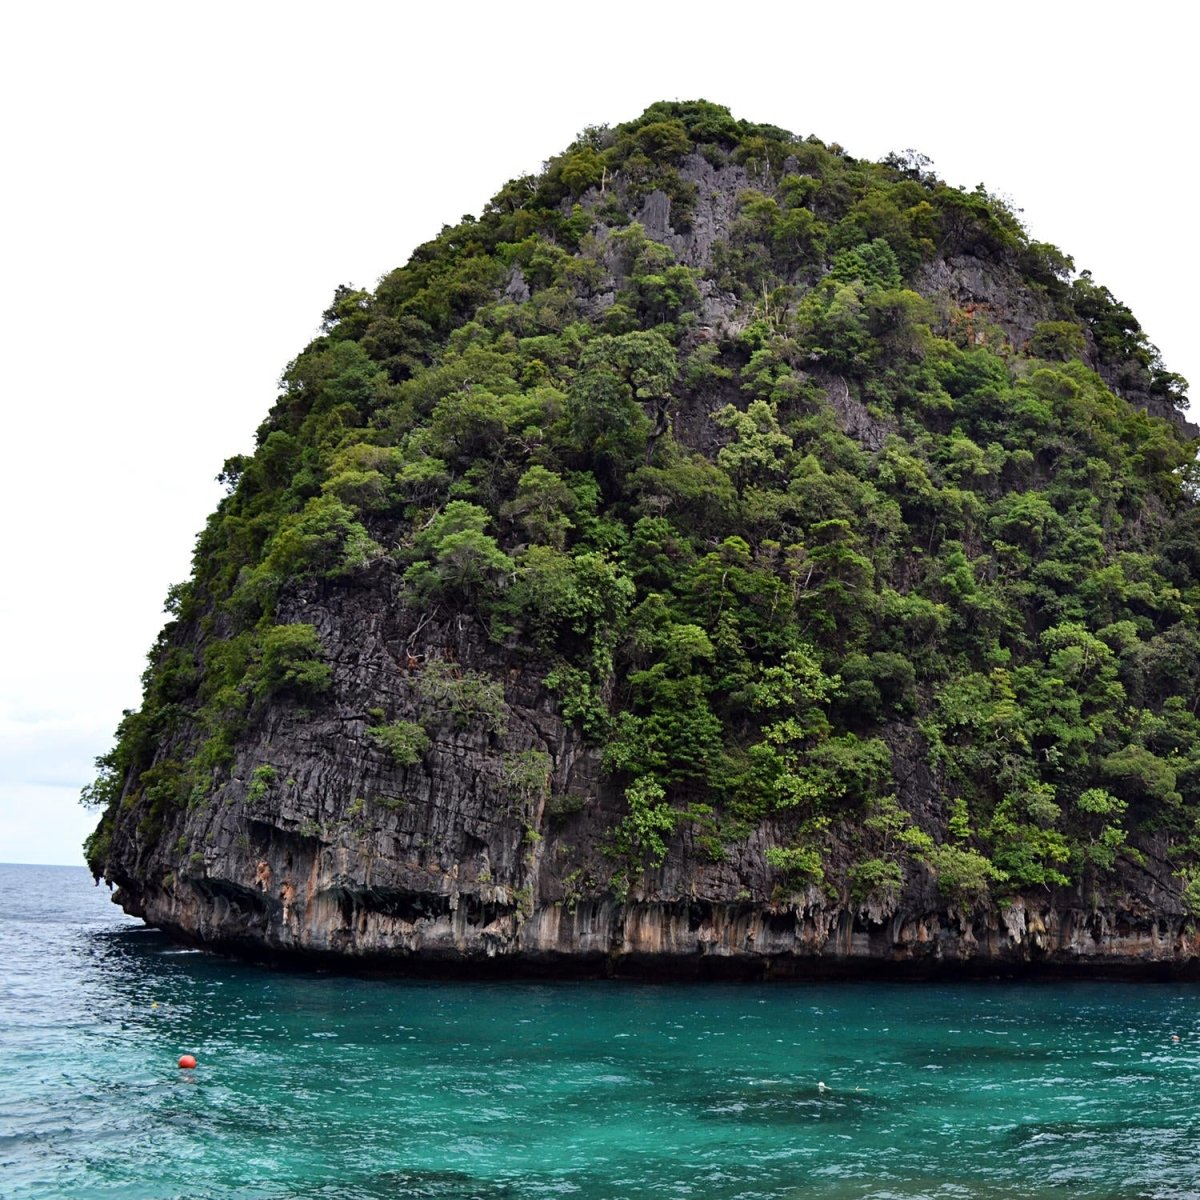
723	557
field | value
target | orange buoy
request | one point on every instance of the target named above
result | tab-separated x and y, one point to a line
187	1061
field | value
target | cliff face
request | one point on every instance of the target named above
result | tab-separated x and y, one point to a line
459	875
630	585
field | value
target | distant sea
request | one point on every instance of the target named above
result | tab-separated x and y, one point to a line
318	1086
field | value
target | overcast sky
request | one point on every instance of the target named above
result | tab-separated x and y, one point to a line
185	185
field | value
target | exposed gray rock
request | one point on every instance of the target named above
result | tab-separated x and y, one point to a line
853	417
656	216
517	290
993	297
718	310
717	192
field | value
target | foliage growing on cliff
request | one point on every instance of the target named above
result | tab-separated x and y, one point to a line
758	515
405	741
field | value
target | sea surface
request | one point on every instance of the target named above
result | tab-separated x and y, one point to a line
319	1086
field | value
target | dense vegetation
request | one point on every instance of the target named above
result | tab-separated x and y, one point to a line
773	525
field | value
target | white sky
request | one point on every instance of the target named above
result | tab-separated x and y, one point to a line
184	185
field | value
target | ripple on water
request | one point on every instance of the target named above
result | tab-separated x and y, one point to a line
312	1087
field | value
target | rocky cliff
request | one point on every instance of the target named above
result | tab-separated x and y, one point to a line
722	557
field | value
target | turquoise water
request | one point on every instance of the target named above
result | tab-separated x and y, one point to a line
314	1086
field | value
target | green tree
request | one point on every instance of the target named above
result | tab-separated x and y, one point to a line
456	553
290	661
